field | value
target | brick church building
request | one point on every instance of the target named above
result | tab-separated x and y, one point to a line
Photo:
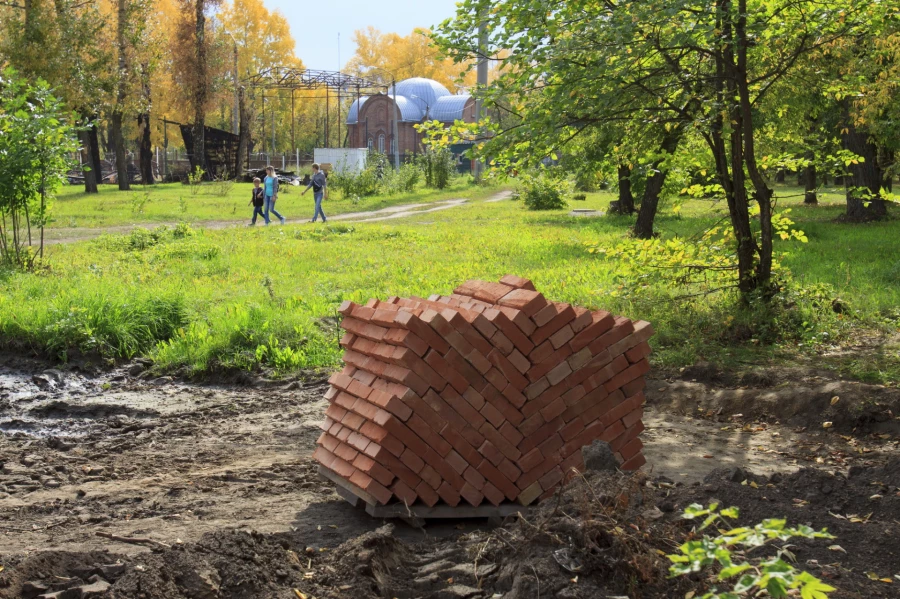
370	121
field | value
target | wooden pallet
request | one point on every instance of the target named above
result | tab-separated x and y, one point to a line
415	514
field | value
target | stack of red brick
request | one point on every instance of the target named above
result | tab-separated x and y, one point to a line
488	394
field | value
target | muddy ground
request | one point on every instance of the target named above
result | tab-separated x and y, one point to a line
218	483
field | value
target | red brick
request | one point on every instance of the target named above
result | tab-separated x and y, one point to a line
335	413
428	434
428	495
540	435
530	494
476	359
610	433
365	409
533	475
493	494
450	495
353	421
463	447
346	307
481	324
502	342
630	433
583	319
512	434
472	416
357	442
573	396
551	479
493	415
425	412
530	460
517	282
489	451
574	460
541	352
412	461
537	388
421	329
457	462
469	333
564	315
559	373
342	468
474	477
634	387
634	463
561	336
458	363
483	290
332	391
471	495
528	301
556	360
400	470
595	365
601	377
448	414
327	441
515	397
391	403
571	430
551	446
510	330
631	449
510	471
642	332
582	358
366	378
440	365
430	476
628	375
323	456
554	409
511	373
545	315
404	492
475	399
517	317
373	469
505	447
343	433
622	328
633	417
518	359
639	351
499	480
623	409
496	378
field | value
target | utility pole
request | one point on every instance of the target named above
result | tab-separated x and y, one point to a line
482	81
396	128
235	114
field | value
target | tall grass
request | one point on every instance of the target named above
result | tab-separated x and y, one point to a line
267	296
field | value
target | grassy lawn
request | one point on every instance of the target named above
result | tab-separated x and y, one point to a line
202	299
176	202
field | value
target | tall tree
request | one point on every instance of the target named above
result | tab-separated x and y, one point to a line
118	138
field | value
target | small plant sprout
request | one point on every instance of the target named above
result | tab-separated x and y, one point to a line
773	576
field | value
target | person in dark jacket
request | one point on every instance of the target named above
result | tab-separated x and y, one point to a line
257	201
271	187
319	184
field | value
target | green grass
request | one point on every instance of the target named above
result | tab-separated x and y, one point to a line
176	202
206	299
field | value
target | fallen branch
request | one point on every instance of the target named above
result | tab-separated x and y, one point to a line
132	540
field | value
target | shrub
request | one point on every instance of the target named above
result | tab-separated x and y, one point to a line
774	576
403	180
355	185
439	166
543	191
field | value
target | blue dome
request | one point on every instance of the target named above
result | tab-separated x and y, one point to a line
423	92
353	113
449	108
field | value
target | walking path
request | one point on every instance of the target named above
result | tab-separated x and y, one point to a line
56	236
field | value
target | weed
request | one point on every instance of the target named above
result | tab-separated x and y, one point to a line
182	205
195	179
139	201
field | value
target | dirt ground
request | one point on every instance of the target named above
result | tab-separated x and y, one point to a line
217	482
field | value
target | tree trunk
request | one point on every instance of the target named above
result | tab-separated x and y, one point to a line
145	143
118	138
243	135
809	178
200	89
885	164
779	176
863	182
95	161
626	198
643	228
90	175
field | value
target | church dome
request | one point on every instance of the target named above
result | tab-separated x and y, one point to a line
423	92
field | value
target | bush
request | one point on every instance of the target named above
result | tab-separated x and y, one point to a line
403	180
355	185
543	191
439	166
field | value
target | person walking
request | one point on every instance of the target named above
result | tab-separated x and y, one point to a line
319	184
258	200
271	186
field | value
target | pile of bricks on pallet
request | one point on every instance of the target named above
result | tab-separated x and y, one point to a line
488	394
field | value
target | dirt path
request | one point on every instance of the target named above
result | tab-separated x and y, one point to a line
57	236
171	461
